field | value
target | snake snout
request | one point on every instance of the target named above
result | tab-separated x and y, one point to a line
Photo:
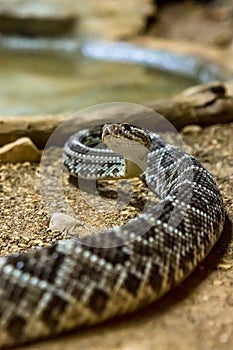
113	130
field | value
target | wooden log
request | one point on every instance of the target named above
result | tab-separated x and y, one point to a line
203	104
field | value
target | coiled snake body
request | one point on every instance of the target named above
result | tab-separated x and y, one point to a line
73	283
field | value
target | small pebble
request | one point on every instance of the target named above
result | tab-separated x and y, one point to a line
191	129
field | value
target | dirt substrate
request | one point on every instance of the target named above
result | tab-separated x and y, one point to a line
196	315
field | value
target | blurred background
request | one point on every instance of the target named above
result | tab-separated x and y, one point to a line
55	55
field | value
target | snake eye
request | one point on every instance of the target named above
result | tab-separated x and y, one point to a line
127	127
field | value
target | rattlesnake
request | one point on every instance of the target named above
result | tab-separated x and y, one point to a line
74	282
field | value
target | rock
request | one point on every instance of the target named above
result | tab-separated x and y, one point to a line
109	19
84	18
37	128
20	151
191	129
61	222
36	18
213	20
73	227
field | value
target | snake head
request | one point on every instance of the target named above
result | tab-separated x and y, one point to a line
128	140
126	131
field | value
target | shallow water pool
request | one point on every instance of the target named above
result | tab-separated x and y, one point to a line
37	83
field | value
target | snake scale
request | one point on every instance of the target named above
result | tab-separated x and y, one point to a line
73	283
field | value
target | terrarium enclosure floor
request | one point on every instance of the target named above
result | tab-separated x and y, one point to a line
196	315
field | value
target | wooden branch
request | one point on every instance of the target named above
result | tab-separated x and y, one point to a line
203	104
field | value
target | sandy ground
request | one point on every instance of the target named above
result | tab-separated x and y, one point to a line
196	315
